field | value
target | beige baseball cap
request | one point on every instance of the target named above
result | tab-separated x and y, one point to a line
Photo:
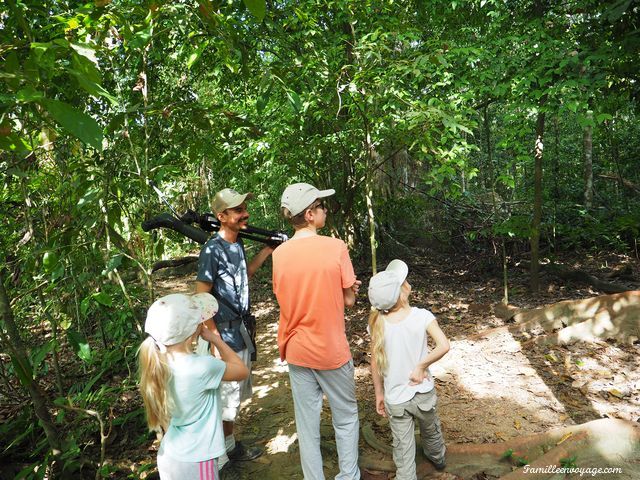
297	197
229	198
173	318
384	287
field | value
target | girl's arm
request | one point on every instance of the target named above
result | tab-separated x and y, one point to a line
378	386
442	347
235	369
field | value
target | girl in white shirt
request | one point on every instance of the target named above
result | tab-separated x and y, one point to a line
400	360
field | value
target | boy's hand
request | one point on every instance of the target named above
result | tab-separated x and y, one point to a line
356	286
380	406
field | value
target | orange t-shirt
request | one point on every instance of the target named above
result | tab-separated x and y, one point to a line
308	277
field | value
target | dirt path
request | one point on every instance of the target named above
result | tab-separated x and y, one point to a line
490	390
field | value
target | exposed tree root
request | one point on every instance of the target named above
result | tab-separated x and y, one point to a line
372	440
176	262
601	443
580	276
605	317
567	273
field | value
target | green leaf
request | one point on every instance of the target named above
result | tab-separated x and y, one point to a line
113	263
84	305
28	94
195	55
79	344
103	299
40	353
15	144
90	196
257	7
141	38
294	99
507	453
573	106
93	88
86	51
603	117
75	122
49	261
24	377
586	121
261	103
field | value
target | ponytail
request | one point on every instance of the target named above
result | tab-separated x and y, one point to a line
154	374
376	328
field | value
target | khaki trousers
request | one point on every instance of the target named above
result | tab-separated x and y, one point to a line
402	417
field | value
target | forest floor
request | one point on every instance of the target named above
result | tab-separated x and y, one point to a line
489	390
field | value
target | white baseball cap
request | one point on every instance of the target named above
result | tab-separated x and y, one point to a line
384	287
297	197
229	198
174	318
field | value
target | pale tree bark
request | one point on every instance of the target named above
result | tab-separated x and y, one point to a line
587	145
369	198
11	340
537	198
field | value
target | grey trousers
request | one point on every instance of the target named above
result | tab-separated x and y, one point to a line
421	408
307	387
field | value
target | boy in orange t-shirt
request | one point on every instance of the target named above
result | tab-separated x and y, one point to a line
313	280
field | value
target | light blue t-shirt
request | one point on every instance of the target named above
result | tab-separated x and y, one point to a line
195	431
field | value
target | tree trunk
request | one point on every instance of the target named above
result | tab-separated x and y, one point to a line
556	180
10	337
587	144
537	198
487	132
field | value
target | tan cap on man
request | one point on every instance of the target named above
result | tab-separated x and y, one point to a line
229	198
297	197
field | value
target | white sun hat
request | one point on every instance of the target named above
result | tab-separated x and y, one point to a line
384	287
174	318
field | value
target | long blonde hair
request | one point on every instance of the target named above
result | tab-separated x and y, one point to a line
376	329
154	375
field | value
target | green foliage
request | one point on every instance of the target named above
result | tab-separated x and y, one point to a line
518	460
568	462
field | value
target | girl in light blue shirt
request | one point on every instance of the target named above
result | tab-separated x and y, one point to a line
180	388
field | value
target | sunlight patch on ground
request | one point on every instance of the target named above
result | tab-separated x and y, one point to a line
614	441
264	309
261	391
279	366
281	442
486	376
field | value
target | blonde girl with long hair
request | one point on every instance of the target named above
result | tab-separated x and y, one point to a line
400	360
180	388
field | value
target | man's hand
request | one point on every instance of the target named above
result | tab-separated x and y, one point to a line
258	260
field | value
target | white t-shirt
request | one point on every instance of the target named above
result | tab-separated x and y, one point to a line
405	345
195	430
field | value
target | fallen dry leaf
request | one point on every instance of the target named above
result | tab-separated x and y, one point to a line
565	436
